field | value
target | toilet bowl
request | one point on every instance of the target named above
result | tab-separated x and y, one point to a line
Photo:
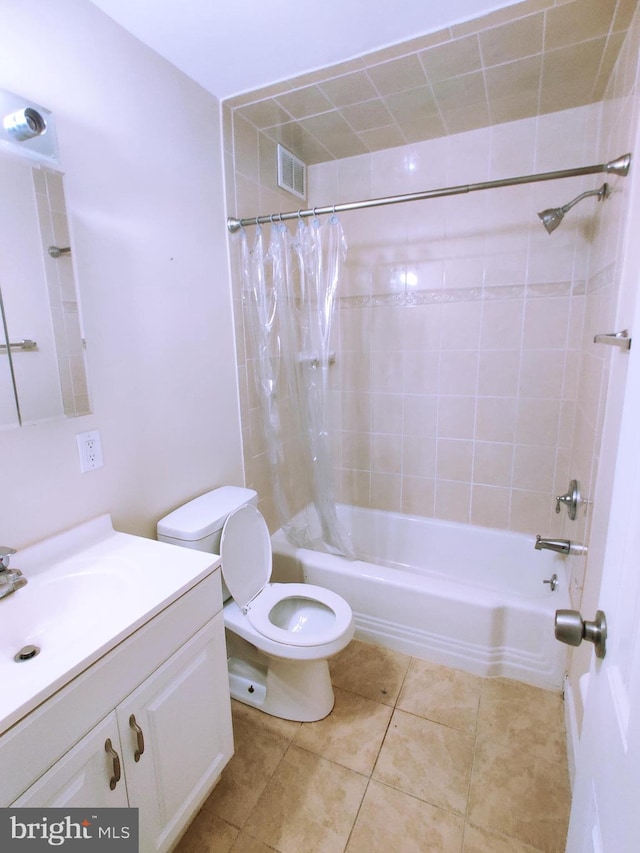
279	635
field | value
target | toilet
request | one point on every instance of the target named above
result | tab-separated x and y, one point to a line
280	636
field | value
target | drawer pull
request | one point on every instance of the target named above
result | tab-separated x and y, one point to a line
108	747
139	737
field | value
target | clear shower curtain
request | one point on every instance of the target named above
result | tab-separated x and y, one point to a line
290	295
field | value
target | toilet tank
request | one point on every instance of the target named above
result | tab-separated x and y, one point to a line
198	524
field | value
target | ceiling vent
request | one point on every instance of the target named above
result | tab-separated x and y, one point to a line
292	173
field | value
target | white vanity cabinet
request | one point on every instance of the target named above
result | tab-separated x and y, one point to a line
163	740
81	777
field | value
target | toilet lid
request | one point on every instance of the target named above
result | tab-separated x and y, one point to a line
245	549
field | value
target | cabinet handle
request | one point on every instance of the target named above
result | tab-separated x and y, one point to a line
139	737
108	747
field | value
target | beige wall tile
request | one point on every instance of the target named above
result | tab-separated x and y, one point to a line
349	89
386	491
509	42
521	75
530	512
492	463
452	59
498	373
454	460
382	137
537	422
458	372
490	506
308	101
577	22
444	309
453	500
397	75
461	92
533	468
496	419
367	115
456	417
418	495
265	113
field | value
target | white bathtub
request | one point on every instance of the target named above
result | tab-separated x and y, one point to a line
455	594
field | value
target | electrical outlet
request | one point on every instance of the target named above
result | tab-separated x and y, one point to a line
89	450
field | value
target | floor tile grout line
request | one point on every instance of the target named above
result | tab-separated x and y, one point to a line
393	707
368	775
355	820
467	821
473	754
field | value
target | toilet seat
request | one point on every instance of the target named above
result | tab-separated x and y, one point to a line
317	615
294	614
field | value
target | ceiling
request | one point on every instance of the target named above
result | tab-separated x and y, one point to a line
415	71
231	48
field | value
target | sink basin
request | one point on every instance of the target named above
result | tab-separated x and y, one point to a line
53	608
88	589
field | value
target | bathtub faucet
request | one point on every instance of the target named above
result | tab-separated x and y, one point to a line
562	546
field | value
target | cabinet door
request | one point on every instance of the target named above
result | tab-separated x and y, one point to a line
179	723
86	776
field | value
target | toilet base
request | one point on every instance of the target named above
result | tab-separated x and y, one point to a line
289	689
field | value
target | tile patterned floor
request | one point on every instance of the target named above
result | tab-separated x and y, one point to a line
414	757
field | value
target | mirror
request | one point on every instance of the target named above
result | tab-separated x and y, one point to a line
42	363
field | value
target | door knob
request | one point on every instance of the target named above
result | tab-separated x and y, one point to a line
572	629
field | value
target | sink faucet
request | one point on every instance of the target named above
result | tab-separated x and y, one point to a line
561	546
10	579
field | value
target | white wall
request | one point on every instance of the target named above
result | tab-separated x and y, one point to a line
140	145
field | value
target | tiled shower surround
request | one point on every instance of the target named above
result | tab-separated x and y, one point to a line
459	327
466	384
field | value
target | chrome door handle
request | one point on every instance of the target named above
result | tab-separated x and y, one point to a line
572	629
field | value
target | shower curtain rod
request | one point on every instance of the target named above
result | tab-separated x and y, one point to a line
619	166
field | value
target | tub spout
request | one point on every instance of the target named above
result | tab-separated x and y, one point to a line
561	546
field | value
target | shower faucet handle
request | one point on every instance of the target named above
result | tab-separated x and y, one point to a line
571	499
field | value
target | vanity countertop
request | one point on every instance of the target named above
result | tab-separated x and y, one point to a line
88	589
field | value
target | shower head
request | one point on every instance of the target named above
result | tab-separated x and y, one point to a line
553	216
